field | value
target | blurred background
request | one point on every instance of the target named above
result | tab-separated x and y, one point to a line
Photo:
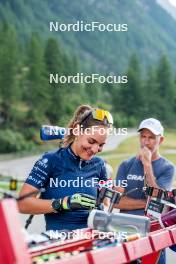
29	52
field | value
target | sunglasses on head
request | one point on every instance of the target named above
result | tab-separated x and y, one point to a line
100	114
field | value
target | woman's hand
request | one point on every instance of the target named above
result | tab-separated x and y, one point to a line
78	201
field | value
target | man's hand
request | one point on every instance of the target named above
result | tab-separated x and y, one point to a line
145	155
119	189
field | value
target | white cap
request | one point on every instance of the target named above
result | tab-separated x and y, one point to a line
153	125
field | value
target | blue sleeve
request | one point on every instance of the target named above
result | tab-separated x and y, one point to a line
121	177
40	172
165	180
121	172
103	172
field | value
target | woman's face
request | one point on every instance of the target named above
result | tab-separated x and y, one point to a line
89	143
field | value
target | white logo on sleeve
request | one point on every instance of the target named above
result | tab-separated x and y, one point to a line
135	177
43	163
45	160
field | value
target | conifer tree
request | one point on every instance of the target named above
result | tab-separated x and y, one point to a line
9	69
165	91
54	65
131	100
37	93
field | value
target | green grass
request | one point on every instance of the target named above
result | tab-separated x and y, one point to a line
5	186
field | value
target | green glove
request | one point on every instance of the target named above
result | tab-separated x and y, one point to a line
78	201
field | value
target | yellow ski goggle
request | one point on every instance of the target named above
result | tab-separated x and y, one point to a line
100	114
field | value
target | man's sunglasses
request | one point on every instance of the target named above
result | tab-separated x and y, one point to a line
100	114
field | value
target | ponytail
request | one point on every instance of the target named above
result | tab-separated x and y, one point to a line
79	115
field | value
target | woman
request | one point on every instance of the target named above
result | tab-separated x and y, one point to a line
70	175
